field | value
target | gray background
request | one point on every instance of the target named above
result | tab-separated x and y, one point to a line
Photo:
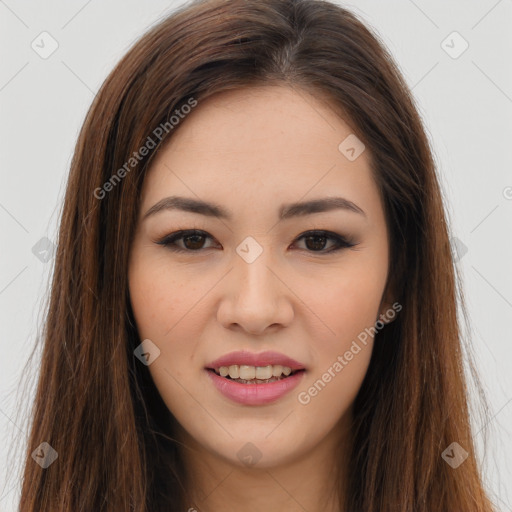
466	104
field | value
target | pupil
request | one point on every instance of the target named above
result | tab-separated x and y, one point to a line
316	246
198	246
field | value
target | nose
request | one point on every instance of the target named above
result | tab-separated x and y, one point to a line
256	298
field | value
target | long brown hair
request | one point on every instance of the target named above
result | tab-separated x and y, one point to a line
97	406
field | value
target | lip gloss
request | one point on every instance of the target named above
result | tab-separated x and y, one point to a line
255	394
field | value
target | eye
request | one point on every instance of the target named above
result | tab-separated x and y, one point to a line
316	241
192	240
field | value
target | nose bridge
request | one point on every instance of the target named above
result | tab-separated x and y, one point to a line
256	281
257	297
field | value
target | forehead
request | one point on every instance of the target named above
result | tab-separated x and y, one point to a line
257	144
285	122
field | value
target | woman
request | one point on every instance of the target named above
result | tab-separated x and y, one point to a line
254	299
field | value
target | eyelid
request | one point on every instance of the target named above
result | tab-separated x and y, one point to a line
167	240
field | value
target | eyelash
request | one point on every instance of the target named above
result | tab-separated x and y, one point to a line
169	240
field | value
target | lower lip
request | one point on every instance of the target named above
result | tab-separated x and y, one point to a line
255	394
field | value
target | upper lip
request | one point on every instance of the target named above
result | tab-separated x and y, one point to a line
244	357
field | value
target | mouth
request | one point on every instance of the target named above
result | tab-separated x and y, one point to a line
253	385
251	375
250	378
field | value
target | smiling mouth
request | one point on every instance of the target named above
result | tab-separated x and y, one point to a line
235	372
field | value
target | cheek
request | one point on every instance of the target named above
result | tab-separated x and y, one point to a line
330	393
346	301
168	310
343	351
347	306
160	302
159	298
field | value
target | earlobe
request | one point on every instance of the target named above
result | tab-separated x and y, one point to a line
388	312
381	317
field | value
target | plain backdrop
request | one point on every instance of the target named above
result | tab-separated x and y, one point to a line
461	81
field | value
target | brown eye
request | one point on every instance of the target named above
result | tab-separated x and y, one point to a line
192	240
316	241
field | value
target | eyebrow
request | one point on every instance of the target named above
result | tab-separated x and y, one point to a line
286	211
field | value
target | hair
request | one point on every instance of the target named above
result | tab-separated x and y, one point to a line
98	407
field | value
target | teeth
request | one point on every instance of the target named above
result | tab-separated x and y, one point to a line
246	372
264	372
234	371
277	370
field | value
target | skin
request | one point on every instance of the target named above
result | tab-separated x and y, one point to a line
251	150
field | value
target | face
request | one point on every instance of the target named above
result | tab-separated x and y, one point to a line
305	285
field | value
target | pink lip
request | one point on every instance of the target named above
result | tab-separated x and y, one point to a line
255	394
243	357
